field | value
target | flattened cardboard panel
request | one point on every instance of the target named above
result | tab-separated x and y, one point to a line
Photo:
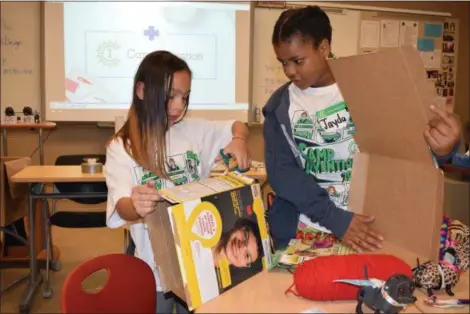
385	103
164	250
406	199
358	185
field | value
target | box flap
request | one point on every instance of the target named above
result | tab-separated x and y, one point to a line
398	193
205	187
164	250
388	96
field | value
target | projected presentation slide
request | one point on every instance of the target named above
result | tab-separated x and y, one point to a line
104	43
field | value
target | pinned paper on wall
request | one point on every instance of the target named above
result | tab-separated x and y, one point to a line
432	30
425	44
370	34
431	59
389	33
409	33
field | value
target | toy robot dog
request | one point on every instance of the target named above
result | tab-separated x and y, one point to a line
388	297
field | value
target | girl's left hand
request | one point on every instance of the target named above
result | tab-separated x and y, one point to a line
239	150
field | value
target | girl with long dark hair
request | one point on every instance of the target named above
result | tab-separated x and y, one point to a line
154	148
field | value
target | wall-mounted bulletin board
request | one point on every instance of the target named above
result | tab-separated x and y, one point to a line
435	38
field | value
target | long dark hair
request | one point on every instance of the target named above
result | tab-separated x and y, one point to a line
143	134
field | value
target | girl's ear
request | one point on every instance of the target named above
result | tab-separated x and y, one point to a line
325	48
139	90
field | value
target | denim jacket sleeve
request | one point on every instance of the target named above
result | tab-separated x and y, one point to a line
442	160
292	184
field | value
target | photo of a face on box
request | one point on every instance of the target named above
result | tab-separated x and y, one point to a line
240	246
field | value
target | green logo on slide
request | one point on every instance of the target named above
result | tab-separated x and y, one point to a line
106	53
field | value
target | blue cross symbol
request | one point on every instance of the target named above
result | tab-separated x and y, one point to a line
151	32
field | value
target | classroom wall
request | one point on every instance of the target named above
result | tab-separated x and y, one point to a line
87	138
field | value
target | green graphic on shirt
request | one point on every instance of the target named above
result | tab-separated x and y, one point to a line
338	193
304	126
331	125
331	121
350	127
181	169
327	148
320	160
334	195
148	176
192	162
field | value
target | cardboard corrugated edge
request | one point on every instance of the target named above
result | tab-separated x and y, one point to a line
164	250
357	188
438	214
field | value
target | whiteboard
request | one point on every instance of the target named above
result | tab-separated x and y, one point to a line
267	71
20	56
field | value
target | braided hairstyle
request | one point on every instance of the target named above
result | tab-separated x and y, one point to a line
310	23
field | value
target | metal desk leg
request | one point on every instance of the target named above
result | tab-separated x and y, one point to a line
41	148
35	278
5	152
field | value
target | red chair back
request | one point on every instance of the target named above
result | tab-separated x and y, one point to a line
130	287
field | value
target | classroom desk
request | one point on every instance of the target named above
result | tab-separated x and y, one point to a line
16	257
264	293
36	177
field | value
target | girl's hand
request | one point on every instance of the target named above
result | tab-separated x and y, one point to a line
239	150
360	235
144	198
443	132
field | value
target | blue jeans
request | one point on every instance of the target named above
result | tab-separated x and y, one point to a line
166	304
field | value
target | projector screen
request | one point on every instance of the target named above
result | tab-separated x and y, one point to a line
92	51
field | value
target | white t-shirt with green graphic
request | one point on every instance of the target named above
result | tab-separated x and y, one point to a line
323	132
192	147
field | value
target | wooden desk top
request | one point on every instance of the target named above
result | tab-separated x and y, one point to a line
42	125
50	174
265	293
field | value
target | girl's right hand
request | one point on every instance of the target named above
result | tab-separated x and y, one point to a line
144	198
360	236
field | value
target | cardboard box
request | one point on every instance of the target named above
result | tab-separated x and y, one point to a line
394	177
200	217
